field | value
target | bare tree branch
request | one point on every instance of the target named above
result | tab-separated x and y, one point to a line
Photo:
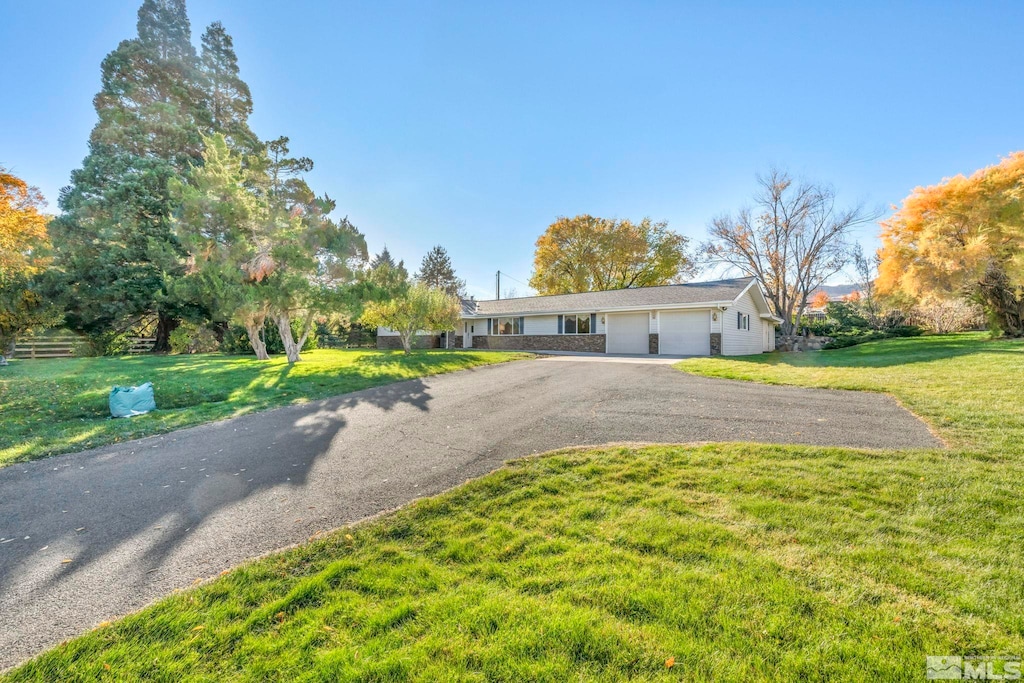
792	241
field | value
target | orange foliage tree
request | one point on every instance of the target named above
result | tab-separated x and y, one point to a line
587	254
964	236
820	300
23	245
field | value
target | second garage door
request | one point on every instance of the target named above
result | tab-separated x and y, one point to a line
684	333
628	333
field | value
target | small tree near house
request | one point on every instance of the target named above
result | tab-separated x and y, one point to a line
420	308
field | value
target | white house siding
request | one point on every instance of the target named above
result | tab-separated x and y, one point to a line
736	342
540	324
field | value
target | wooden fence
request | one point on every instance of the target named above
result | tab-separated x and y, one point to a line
67	345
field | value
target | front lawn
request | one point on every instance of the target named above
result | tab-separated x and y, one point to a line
967	386
725	561
56	406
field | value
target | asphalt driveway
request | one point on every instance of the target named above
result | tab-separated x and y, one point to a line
139	519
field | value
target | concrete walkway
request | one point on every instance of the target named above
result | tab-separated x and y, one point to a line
140	519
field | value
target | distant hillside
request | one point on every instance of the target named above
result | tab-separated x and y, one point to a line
836	291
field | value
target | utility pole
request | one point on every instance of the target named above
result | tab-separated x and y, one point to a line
497	285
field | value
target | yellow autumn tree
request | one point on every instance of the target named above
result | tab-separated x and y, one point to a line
962	237
23	245
586	253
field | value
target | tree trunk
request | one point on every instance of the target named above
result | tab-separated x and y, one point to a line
284	328
253	328
1002	300
406	338
165	324
219	329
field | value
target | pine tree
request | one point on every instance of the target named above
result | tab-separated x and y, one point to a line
382	259
228	99
437	271
385	279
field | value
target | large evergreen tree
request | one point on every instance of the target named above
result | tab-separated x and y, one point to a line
228	99
437	271
115	251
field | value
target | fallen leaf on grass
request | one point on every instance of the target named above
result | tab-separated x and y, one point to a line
199	628
670	662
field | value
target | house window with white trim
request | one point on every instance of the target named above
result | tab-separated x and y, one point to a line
507	326
576	324
742	321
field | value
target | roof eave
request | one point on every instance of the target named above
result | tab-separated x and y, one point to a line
613	309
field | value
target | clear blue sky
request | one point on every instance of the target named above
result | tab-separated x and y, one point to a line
474	124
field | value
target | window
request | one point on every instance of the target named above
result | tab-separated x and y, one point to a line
507	326
742	321
576	324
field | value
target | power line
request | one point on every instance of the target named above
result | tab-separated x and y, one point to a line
497	283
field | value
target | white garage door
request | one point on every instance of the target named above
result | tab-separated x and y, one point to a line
684	333
628	333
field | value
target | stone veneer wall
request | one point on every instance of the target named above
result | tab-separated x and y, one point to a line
652	344
716	343
419	341
591	343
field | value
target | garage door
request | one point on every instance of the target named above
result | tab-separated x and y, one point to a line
684	333
628	333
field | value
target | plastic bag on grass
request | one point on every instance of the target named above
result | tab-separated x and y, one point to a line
131	401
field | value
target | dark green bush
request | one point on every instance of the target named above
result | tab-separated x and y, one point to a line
904	331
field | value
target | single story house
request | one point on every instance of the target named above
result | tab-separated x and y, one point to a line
729	317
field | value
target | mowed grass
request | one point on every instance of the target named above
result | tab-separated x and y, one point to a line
727	561
967	386
57	406
735	562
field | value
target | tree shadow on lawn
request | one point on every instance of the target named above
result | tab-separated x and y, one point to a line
176	481
890	353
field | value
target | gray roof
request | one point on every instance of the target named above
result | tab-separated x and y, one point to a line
667	295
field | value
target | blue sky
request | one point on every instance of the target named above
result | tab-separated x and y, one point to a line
474	124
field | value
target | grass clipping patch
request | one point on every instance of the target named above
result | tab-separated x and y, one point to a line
699	562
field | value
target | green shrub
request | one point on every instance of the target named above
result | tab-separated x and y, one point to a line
904	331
193	338
842	340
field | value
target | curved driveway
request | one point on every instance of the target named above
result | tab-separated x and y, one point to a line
140	519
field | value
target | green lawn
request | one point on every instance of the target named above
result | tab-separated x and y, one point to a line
967	386
56	406
731	561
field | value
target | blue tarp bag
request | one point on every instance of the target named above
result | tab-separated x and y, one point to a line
131	401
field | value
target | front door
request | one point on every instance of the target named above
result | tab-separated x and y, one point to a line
467	336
